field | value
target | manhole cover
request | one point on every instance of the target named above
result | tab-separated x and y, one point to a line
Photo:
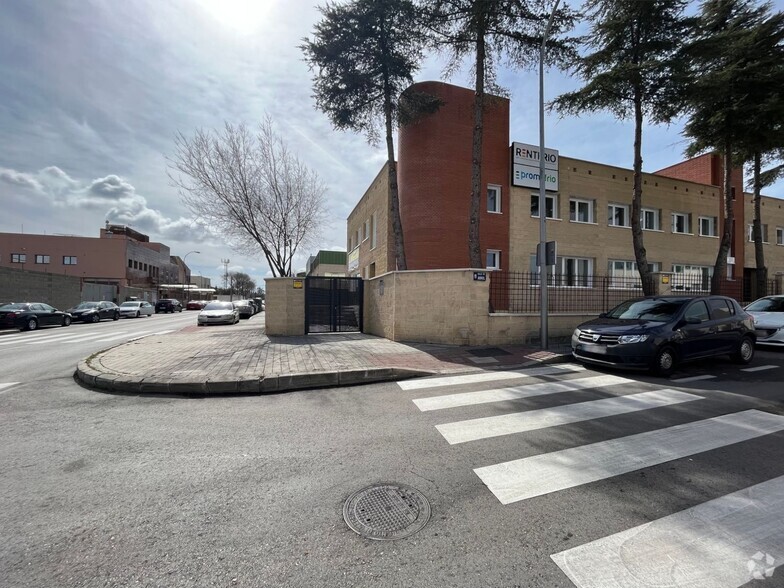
488	352
386	511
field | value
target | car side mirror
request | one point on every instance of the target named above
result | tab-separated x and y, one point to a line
603	315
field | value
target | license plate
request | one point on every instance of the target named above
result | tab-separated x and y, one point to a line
591	348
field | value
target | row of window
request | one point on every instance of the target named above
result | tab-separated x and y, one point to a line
779	234
138	265
368	231
42	259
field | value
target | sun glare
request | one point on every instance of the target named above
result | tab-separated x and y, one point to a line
244	16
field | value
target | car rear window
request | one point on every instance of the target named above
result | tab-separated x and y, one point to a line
219	306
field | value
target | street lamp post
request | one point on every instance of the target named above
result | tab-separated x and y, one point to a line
543	275
188	274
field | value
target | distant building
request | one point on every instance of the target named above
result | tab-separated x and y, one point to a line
328	264
121	262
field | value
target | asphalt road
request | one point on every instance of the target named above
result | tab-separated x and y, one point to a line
114	490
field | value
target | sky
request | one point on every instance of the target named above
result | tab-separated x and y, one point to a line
92	94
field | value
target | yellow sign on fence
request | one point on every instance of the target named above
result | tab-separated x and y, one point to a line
298	284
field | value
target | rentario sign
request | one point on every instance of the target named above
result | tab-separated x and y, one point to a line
525	166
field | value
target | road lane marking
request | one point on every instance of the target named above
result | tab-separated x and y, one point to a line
550	472
516	392
520	422
4	387
488	377
693	379
66	339
759	368
723	543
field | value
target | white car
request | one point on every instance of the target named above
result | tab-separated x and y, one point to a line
217	313
136	308
768	314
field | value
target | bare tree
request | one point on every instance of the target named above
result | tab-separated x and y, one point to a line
252	189
242	284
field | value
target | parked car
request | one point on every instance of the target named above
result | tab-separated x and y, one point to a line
245	308
92	312
195	304
135	309
28	316
168	305
259	304
218	312
768	314
661	332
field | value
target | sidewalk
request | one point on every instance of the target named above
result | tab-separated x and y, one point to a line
241	359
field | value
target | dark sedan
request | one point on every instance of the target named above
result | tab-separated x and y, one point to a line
168	305
660	332
28	316
92	312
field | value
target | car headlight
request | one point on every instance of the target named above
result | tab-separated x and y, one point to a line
576	333
632	338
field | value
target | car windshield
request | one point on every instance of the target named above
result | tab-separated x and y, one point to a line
767	305
84	305
14	306
219	306
129	304
648	309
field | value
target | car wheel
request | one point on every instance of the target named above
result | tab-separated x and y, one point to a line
95	318
665	361
116	316
66	321
137	314
31	325
745	352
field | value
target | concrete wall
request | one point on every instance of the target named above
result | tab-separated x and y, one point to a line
449	307
60	291
285	307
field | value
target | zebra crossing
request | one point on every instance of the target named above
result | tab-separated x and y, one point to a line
72	336
713	544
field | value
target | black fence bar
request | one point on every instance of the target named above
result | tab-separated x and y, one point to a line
518	292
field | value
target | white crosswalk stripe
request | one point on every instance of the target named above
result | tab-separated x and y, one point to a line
693	379
66	339
74	337
517	392
475	378
6	385
519	422
717	544
760	368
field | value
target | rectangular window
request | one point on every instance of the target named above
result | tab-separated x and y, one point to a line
366	230
130	263
574	271
680	222
494	198
550	203
41	259
372	270
493	259
373	229
779	236
581	211
650	219
624	274
18	257
691	278
618	215
708	226
764	233
69	260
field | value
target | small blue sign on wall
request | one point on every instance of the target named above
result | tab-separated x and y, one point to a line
480	276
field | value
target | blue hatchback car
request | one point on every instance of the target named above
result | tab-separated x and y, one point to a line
660	332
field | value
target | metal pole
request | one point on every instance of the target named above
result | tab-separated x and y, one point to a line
543	274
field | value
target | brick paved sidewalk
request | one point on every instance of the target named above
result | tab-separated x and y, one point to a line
242	359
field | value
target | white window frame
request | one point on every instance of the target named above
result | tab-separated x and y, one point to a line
19	258
366	230
714	226
612	209
574	214
691	278
627	277
551	197
764	233
70	260
42	259
656	219
373	230
496	253
497	190
686	223
779	236
559	277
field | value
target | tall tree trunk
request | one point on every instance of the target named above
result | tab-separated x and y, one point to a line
759	254
720	268
474	250
394	198
637	240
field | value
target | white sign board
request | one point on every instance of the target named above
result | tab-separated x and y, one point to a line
525	166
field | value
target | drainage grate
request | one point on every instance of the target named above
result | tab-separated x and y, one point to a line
386	511
488	352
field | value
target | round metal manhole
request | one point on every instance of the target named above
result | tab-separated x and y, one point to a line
386	511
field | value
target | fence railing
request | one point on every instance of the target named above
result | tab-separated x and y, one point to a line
519	292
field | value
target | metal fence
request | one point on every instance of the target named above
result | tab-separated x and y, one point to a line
519	292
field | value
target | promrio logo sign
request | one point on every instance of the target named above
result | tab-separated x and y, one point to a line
525	166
